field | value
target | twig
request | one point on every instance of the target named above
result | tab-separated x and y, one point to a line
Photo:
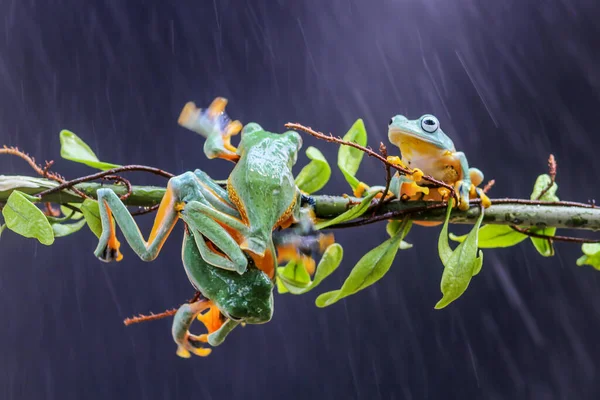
126	168
38	169
488	186
552	173
330	138
570	239
124	181
388	178
152	317
145	210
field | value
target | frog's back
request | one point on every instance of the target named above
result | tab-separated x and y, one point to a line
263	176
246	296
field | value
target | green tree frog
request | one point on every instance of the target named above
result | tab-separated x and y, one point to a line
228	250
425	148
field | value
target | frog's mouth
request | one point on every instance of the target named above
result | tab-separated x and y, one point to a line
404	137
410	142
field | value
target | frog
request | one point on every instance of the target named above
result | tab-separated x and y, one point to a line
425	148
228	252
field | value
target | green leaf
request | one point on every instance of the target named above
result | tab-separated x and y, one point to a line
61	230
330	260
541	183
295	274
281	289
2	228
591	255
494	236
69	212
316	174
544	246
349	158
91	213
392	228
24	218
352	213
369	269
461	264
74	149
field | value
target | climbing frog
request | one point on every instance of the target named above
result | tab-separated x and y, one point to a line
425	148
228	250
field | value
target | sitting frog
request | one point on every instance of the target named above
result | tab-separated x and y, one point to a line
228	249
425	148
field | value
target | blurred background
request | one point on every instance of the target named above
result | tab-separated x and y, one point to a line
510	81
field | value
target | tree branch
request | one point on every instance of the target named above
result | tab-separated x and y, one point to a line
525	213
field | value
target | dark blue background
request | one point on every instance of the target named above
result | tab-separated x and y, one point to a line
511	81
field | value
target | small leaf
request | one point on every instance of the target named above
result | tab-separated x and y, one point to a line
541	183
352	213
68	212
349	158
316	174
2	228
91	213
461	264
494	236
331	259
61	230
591	255
24	218
369	269
281	289
295	273
74	149
392	228
544	246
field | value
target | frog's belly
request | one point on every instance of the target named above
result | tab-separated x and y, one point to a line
440	167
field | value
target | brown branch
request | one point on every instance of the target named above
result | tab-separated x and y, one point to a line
388	178
126	168
488	186
551	173
152	317
124	181
44	172
570	239
145	210
330	138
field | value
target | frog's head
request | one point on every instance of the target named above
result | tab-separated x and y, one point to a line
404	132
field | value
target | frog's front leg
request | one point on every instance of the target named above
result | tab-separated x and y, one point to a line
463	187
214	124
111	206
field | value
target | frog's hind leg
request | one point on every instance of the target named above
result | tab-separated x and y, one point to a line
204	226
214	124
186	342
112	209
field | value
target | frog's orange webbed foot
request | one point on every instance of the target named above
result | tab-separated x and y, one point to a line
212	320
214	124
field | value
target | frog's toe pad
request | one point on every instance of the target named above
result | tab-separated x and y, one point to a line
110	254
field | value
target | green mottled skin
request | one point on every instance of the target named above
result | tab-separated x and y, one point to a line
264	183
239	222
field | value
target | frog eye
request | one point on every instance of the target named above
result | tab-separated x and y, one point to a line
430	124
391	120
